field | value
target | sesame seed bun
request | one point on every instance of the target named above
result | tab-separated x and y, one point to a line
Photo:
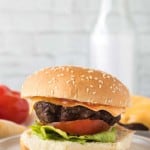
75	83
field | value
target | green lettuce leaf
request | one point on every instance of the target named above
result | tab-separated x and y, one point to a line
49	132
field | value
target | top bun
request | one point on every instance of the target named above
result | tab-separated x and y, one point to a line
76	83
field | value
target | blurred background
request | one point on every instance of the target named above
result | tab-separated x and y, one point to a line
111	35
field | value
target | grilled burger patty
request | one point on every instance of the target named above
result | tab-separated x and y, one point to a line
48	112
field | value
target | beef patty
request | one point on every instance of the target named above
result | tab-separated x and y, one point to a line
48	112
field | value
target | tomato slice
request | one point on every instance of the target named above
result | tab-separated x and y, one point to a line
12	106
82	127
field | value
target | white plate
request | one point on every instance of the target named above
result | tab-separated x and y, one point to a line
138	143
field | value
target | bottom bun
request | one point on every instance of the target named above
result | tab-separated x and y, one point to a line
29	141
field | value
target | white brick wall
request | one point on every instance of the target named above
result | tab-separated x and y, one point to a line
39	33
140	12
35	5
61	43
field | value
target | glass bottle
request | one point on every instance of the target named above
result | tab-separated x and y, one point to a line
112	41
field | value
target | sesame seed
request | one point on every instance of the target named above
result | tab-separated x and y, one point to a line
61	74
100	81
107	76
96	78
87	78
52	91
88	100
67	69
90	77
87	90
113	91
82	75
114	79
90	71
119	89
52	80
58	75
91	86
114	84
71	71
105	101
56	68
104	75
68	81
72	79
93	93
100	86
73	82
109	100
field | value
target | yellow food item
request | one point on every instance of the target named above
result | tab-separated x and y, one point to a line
9	128
138	112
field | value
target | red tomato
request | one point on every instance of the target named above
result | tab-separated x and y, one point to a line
82	127
16	93
4	89
12	106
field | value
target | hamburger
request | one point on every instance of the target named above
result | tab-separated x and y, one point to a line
77	109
